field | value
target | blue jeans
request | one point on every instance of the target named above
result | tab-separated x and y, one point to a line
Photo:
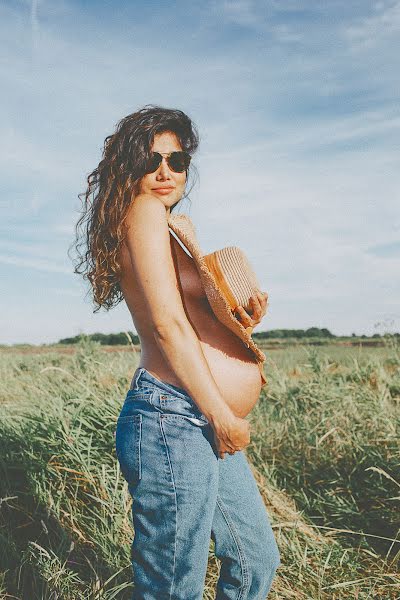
184	494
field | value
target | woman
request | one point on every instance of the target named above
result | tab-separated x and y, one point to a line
181	431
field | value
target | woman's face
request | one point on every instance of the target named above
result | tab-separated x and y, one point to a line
164	183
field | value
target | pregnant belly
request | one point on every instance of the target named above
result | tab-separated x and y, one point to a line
236	375
232	365
239	381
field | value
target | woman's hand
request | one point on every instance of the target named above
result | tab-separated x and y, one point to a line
259	302
231	434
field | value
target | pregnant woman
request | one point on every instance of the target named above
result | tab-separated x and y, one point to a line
182	429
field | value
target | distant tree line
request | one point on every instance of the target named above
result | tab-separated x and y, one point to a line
121	339
294	333
107	339
313	332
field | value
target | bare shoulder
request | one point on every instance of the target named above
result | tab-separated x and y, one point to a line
145	210
146	223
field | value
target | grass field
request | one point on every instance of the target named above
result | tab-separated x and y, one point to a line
324	450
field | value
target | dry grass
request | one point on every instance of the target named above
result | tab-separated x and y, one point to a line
324	453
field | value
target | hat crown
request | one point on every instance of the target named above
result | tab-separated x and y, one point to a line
234	275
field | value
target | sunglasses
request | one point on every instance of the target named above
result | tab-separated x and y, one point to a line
177	161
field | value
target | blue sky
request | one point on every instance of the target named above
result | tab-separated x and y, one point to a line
297	105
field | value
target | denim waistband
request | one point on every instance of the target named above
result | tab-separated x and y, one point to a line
142	374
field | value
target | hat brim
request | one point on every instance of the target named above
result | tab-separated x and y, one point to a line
182	225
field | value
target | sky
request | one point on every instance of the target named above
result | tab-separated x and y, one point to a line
297	106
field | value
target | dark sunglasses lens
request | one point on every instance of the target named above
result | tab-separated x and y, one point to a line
154	162
179	161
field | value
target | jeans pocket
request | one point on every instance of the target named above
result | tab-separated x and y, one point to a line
174	405
128	439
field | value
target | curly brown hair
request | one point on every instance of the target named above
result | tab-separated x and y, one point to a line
112	186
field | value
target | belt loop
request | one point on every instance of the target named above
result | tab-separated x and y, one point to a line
135	378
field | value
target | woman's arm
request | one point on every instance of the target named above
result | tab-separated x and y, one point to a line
148	242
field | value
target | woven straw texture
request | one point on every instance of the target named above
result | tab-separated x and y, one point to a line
237	274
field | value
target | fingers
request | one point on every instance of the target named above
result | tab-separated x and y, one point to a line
232	437
224	448
259	302
264	301
263	297
257	311
244	316
221	454
246	319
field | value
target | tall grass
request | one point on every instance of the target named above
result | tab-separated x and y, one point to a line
335	444
324	451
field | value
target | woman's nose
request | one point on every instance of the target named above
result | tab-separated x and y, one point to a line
163	168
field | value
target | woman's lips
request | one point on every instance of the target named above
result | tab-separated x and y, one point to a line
163	191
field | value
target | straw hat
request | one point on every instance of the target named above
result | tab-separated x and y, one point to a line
228	281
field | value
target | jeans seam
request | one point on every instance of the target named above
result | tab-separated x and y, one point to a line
243	560
176	502
139	444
